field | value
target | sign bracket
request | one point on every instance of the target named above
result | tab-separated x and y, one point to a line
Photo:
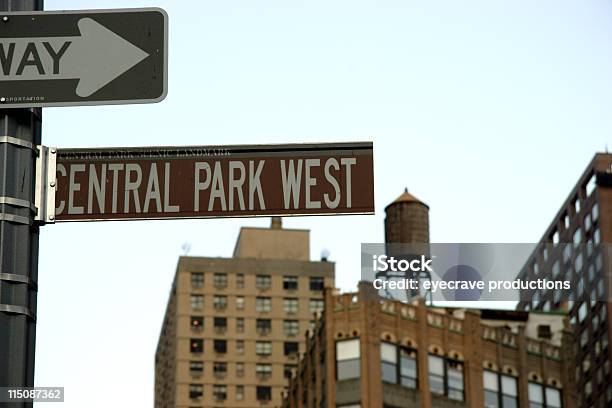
16	142
45	184
17	202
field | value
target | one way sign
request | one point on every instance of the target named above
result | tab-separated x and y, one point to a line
83	57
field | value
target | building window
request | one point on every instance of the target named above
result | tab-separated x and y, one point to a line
291	348
601	289
599	262
578	263
288	370
197	302
543	397
577	238
316	305
586	364
595	212
240	347
317	283
491	389
582	312
197	346
557	297
263	282
553	397
446	377
220	392
535	299
544	331
263	370
220	346
197	279
220	324
240	324
197	322
590	185
220	280
587	222
388	357
588	388
220	302
196	367
597	236
536	395
577	205
239	392
348	359
240	281
536	268
567	253
263	304
556	268
454	372
590	247
291	327
591	273
584	338
219	369
436	374
264	393
239	302
501	391
408	368
196	391
290	305
290	282
263	348
264	326
239	369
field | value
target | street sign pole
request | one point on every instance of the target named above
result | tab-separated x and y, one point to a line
20	133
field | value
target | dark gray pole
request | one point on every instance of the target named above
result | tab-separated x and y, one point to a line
20	132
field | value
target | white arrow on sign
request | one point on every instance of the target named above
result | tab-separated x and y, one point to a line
95	58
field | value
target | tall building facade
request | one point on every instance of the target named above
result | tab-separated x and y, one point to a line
234	327
369	352
584	221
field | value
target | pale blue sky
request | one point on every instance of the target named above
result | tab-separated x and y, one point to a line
487	110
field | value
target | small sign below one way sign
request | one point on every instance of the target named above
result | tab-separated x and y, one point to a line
83	57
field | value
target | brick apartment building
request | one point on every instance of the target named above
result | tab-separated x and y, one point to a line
368	352
585	222
233	328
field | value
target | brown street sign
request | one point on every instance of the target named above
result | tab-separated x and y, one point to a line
214	181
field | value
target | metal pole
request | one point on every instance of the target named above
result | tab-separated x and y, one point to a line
20	132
